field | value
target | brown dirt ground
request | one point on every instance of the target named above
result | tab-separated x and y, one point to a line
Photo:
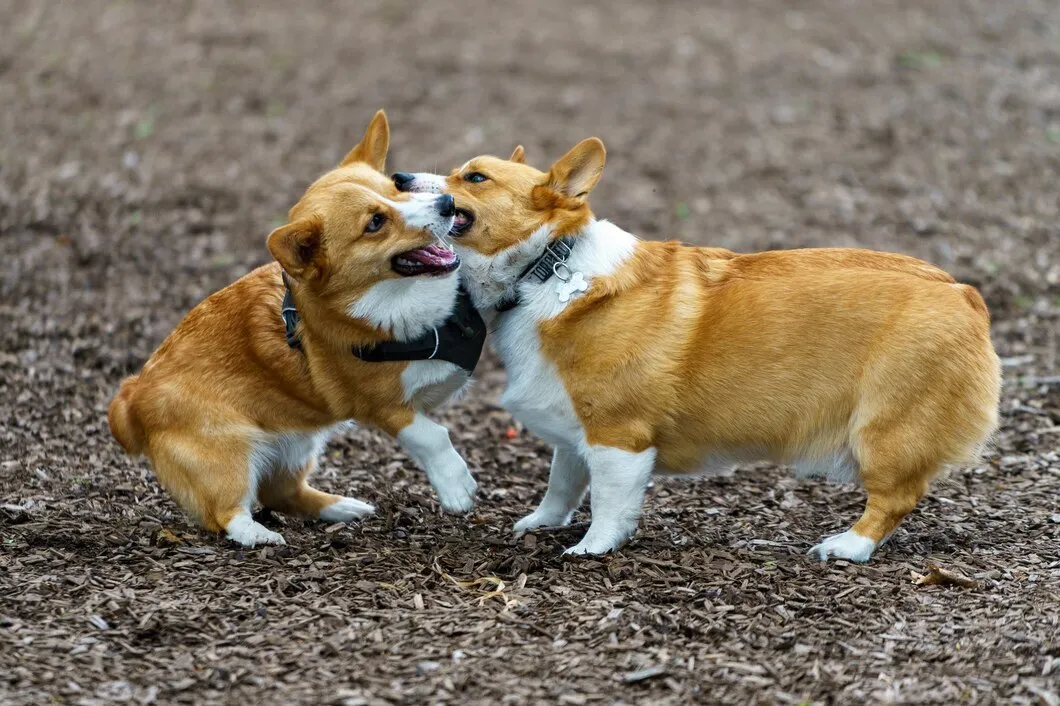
147	148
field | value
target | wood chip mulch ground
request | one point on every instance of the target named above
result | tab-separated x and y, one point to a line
147	148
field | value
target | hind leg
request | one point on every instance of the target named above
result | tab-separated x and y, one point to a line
291	494
887	506
895	463
898	451
214	482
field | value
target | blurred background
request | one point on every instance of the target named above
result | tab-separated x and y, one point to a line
147	149
145	139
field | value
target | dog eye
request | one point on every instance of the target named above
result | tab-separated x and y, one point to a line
376	223
475	177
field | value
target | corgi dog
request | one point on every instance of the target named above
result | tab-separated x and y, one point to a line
632	356
235	406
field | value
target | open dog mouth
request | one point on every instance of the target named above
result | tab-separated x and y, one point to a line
433	259
462	223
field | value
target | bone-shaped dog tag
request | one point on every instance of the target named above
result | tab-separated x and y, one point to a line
566	289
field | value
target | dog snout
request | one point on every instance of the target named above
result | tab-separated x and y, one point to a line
403	180
446	206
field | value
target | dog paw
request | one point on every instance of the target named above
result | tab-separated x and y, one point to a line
457	494
599	542
346	510
847	545
584	548
537	519
244	530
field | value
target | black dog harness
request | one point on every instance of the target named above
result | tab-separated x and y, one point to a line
458	340
551	262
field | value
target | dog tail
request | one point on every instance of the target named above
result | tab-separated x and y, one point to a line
124	423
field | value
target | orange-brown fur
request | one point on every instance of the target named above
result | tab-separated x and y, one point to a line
789	354
755	353
226	374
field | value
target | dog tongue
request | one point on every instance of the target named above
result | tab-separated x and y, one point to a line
434	255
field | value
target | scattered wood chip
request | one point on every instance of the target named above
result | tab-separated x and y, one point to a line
196	551
427	667
497	584
642	674
166	537
937	576
1049	698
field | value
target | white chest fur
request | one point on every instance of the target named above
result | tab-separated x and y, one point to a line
430	383
408	308
535	394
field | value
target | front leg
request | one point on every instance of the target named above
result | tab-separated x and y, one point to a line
618	479
567	480
428	443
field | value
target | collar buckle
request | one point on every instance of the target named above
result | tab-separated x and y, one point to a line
555	255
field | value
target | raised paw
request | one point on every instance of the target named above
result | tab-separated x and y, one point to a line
244	530
847	545
346	510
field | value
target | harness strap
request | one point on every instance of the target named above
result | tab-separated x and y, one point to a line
458	340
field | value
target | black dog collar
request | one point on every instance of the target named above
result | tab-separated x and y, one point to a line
459	340
289	313
541	269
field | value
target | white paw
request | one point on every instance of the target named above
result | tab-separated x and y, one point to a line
456	493
538	518
601	541
244	530
346	510
848	545
584	547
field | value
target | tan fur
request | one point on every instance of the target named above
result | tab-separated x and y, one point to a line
226	375
790	354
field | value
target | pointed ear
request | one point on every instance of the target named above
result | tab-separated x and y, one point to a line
298	248
373	146
518	155
575	174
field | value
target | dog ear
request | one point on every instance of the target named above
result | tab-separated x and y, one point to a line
518	155
575	174
373	146
298	248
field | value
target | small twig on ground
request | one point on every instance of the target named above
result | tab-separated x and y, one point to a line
937	576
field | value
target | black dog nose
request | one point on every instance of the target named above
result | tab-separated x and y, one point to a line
446	206
403	180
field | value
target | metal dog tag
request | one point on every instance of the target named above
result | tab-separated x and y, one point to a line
575	282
